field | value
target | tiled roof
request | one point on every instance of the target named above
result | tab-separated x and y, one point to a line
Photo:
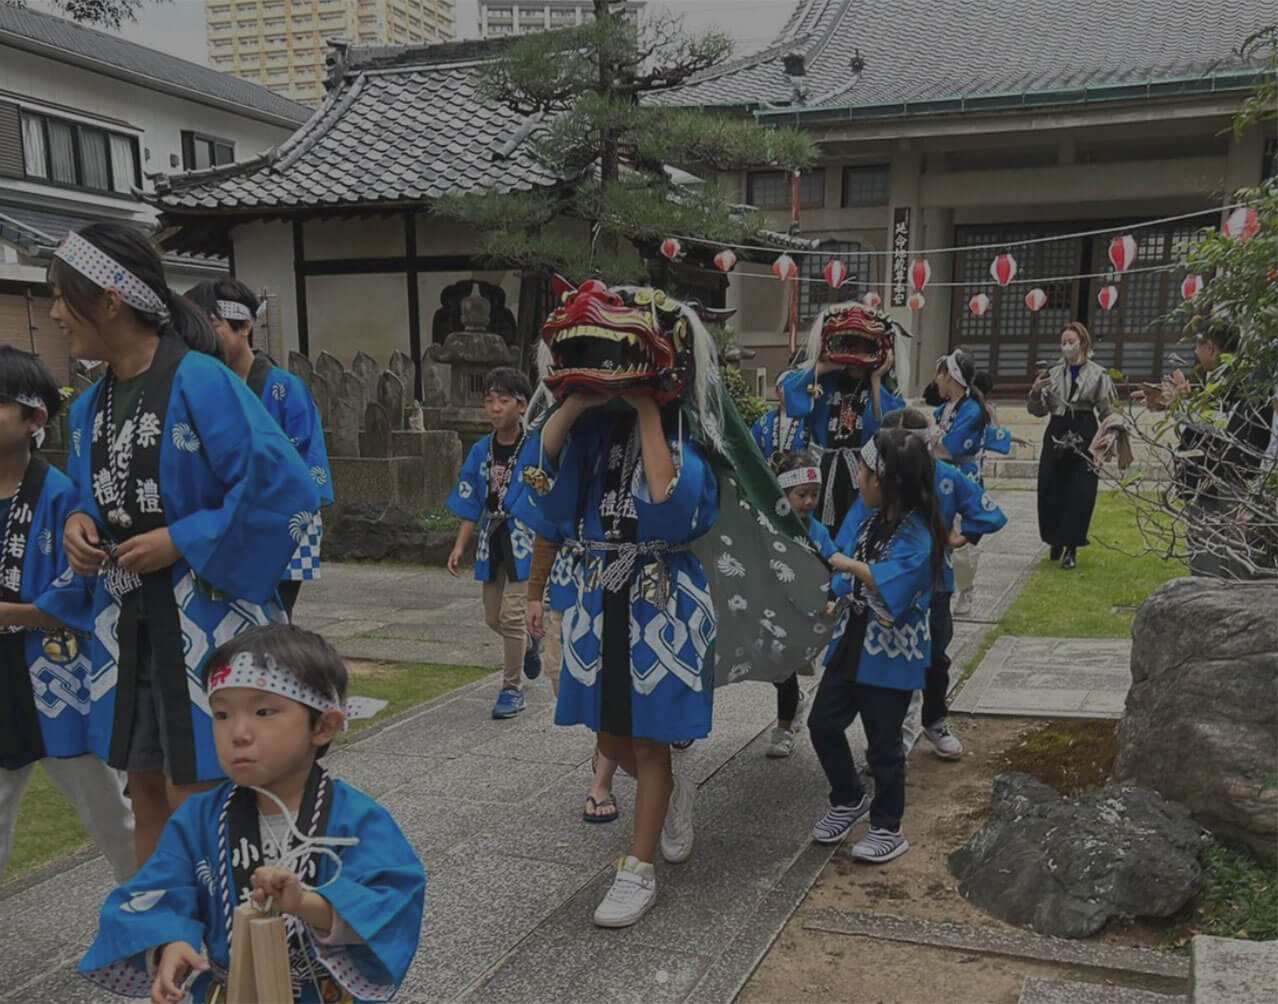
25	28
36	229
399	127
920	51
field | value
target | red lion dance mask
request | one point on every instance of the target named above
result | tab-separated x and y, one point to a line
854	335
613	339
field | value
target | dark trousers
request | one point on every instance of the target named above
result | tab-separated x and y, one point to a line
289	589
839	699
937	684
787	698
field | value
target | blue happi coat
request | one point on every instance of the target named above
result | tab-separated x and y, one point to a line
185	892
46	688
963	435
815	410
236	499
821	536
289	402
672	646
469	500
898	636
765	433
956	494
997	439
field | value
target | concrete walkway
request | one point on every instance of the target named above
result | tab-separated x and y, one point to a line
494	810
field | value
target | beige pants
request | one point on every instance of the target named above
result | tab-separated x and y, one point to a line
504	610
552	647
965	559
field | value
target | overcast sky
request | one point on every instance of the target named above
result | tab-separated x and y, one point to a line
177	26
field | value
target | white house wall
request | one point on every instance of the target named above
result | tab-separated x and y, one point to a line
158	119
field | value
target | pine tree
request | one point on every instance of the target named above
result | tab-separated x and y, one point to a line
586	86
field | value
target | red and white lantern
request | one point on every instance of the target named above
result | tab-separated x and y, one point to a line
835	273
725	260
671	248
920	273
1003	269
1122	252
917	301
1036	299
1107	297
1191	286
1242	224
785	268
979	304
872	300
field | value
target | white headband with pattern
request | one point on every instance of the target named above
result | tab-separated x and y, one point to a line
870	455
262	672
799	476
956	373
233	310
31	401
102	270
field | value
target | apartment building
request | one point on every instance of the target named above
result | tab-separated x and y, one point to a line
505	17
281	44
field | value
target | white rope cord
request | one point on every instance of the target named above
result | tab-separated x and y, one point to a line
1166	267
871	252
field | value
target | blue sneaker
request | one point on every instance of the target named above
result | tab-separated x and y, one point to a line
509	703
532	660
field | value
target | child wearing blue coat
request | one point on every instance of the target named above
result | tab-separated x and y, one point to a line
44	672
484	499
233	309
957	495
799	475
880	648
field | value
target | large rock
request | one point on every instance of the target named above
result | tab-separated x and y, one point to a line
374	533
1065	866
1201	724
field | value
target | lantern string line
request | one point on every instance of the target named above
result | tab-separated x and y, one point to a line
874	253
974	284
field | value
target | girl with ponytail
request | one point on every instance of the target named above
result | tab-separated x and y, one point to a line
962	416
880	648
188	496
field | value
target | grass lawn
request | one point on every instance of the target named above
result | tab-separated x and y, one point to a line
48	828
1098	599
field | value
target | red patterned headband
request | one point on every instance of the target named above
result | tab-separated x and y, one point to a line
262	672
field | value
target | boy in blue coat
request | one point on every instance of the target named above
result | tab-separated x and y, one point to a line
233	308
281	829
44	674
484	499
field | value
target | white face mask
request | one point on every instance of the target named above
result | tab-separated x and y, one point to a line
1072	353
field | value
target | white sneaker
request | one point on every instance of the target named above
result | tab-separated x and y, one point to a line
676	833
943	740
880	845
781	743
632	894
962	603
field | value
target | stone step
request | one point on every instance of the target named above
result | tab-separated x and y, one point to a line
1040	991
1232	970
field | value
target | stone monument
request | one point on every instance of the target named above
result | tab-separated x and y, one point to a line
472	352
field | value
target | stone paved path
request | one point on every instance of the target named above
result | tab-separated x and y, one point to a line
494	810
1050	678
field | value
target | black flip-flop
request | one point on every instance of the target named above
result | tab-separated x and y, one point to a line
608	800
